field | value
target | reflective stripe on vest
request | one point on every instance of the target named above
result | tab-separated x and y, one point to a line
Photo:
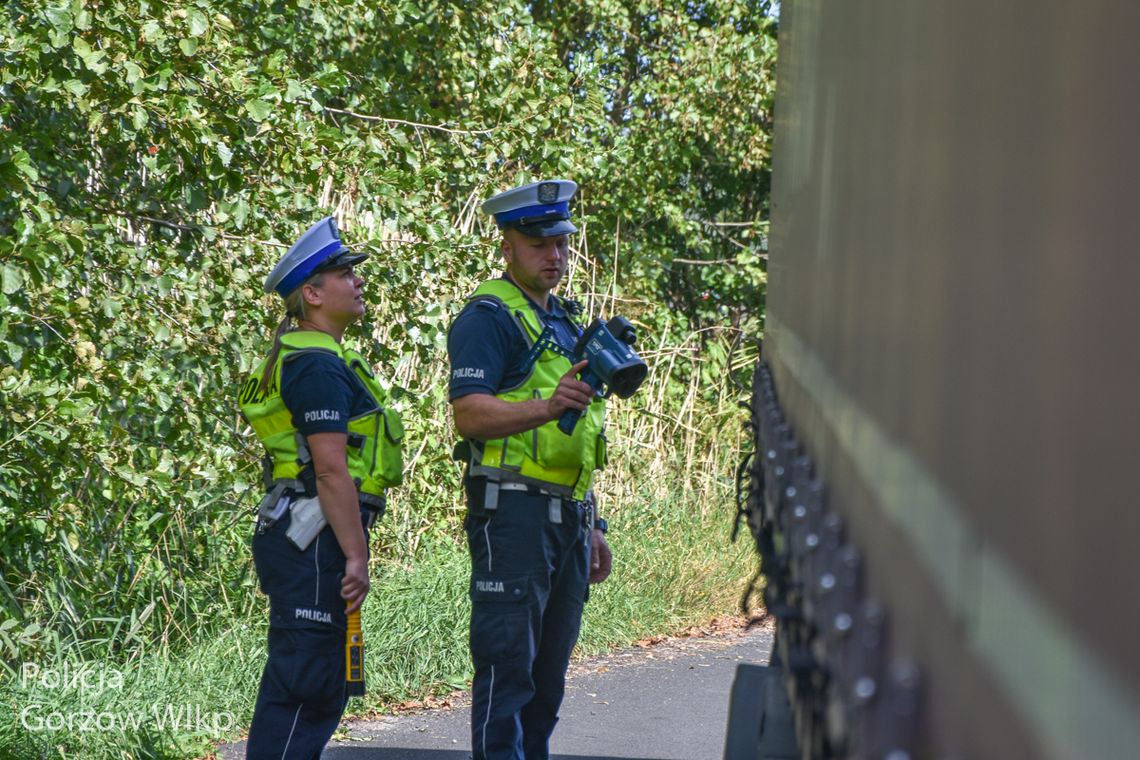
375	450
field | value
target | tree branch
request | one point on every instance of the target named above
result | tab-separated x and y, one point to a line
198	229
416	124
727	224
704	262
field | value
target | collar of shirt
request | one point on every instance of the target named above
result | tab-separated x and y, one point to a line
555	310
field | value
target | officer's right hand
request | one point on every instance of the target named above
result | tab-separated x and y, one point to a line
355	583
571	393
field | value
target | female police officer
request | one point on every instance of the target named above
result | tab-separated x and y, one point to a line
332	449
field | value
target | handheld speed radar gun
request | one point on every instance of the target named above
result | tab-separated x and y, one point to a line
614	367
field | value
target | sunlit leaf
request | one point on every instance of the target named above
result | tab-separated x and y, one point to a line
258	110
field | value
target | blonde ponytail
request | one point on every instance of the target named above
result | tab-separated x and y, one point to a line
294	310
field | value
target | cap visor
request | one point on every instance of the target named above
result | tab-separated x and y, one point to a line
346	259
552	229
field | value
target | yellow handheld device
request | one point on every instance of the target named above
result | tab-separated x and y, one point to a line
354	657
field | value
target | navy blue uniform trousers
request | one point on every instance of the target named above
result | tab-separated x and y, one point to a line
302	694
529	582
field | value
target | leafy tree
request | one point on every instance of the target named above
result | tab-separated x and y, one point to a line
155	159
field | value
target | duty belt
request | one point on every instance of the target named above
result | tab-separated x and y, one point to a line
371	508
273	506
499	480
553	504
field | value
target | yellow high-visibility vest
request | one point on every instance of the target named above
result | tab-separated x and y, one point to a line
375	438
545	456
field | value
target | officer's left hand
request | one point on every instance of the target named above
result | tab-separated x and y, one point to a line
601	560
355	584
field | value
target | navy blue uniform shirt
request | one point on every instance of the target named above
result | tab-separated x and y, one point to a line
322	393
486	347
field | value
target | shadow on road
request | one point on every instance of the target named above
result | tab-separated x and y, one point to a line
406	753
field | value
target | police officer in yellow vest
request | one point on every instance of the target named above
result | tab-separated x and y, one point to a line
534	540
332	449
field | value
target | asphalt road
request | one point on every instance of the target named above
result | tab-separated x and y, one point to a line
667	701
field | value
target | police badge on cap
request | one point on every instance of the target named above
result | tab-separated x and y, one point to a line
540	209
317	250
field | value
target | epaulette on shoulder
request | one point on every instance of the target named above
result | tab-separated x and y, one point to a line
309	351
483	301
491	304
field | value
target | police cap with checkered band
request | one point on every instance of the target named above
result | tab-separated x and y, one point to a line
540	209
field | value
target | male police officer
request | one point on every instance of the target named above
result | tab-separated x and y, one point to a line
534	540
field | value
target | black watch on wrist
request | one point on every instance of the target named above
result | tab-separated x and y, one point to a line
601	524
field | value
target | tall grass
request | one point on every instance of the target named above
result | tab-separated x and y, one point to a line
673	567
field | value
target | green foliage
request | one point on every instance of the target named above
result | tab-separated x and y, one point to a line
683	181
157	157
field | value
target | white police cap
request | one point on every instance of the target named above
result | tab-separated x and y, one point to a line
317	250
540	209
